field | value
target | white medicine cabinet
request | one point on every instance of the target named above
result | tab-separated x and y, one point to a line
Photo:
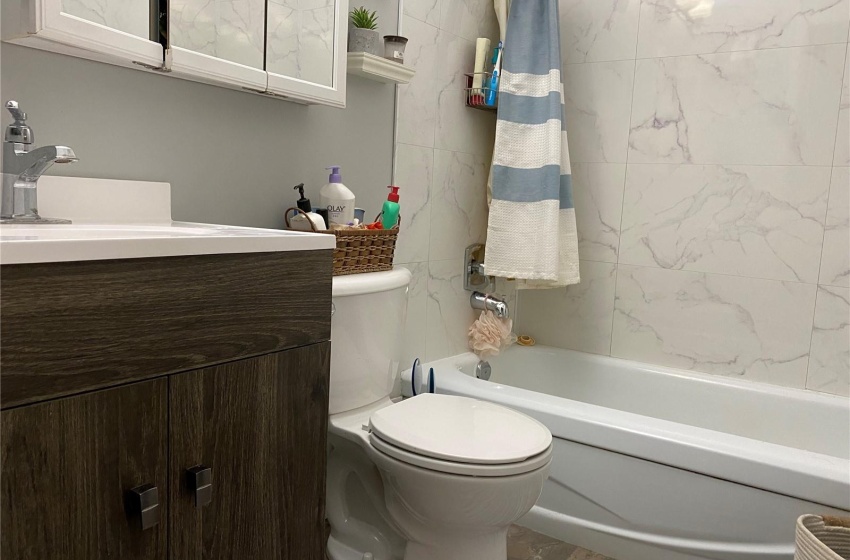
107	30
293	49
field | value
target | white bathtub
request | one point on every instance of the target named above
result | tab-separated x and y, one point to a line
653	463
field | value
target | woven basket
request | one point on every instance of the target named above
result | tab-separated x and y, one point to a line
359	250
822	538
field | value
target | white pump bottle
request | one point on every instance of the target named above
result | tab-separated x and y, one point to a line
337	198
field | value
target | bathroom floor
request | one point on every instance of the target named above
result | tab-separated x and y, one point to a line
525	544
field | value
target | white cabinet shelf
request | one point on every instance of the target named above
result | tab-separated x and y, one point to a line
378	68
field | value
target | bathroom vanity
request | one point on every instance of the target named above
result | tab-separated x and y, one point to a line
164	405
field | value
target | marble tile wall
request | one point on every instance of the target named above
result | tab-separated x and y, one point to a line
710	144
442	157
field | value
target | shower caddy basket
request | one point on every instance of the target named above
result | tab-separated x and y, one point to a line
475	96
359	250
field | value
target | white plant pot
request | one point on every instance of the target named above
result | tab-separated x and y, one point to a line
365	40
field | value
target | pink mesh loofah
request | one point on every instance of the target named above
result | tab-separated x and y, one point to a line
489	334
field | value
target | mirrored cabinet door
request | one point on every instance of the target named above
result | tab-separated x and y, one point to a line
305	49
129	16
231	30
301	40
220	41
114	31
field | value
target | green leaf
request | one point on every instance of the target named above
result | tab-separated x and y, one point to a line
363	19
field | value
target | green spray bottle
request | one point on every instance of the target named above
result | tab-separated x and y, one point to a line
389	217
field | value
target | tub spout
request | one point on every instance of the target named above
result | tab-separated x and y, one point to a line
483	301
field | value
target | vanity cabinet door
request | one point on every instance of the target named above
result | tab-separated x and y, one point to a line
118	31
69	468
306	44
260	426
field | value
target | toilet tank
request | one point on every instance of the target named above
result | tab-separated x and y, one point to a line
366	334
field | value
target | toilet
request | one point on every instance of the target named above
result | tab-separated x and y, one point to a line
433	477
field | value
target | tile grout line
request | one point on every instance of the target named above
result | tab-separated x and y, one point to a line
430	201
726	274
825	219
823	236
613	310
481	155
833	286
625	182
811	339
636	57
838	115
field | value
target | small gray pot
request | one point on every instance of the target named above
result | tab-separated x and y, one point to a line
365	40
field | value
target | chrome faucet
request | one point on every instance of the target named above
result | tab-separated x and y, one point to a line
22	168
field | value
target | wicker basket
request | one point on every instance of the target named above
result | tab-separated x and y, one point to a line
360	250
822	538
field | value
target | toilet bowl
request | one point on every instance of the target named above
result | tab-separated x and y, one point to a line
433	477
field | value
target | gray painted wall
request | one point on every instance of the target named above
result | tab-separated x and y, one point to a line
231	157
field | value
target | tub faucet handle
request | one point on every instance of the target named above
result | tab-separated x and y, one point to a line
475	274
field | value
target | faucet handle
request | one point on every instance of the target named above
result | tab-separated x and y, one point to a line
17	114
18	131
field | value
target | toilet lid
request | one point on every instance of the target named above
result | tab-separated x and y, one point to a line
460	429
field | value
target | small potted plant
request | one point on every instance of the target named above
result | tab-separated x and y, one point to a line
363	33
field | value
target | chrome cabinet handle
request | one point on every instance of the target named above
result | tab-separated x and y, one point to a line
199	479
144	505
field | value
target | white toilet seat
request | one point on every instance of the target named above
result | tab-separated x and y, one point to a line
465	469
414	430
460	435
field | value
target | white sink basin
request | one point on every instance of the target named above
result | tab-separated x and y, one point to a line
115	219
61	243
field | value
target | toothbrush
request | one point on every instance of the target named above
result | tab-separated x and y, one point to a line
493	90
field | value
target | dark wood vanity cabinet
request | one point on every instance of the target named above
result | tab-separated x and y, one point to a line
261	424
221	461
68	466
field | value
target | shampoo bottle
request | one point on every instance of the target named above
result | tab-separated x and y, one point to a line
302	221
389	214
337	199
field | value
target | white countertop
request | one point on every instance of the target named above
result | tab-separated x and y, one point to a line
87	242
104	214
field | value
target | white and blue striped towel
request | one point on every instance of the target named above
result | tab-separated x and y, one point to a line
531	234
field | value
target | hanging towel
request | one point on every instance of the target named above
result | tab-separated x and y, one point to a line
531	234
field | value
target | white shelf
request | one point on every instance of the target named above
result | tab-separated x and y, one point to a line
378	68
